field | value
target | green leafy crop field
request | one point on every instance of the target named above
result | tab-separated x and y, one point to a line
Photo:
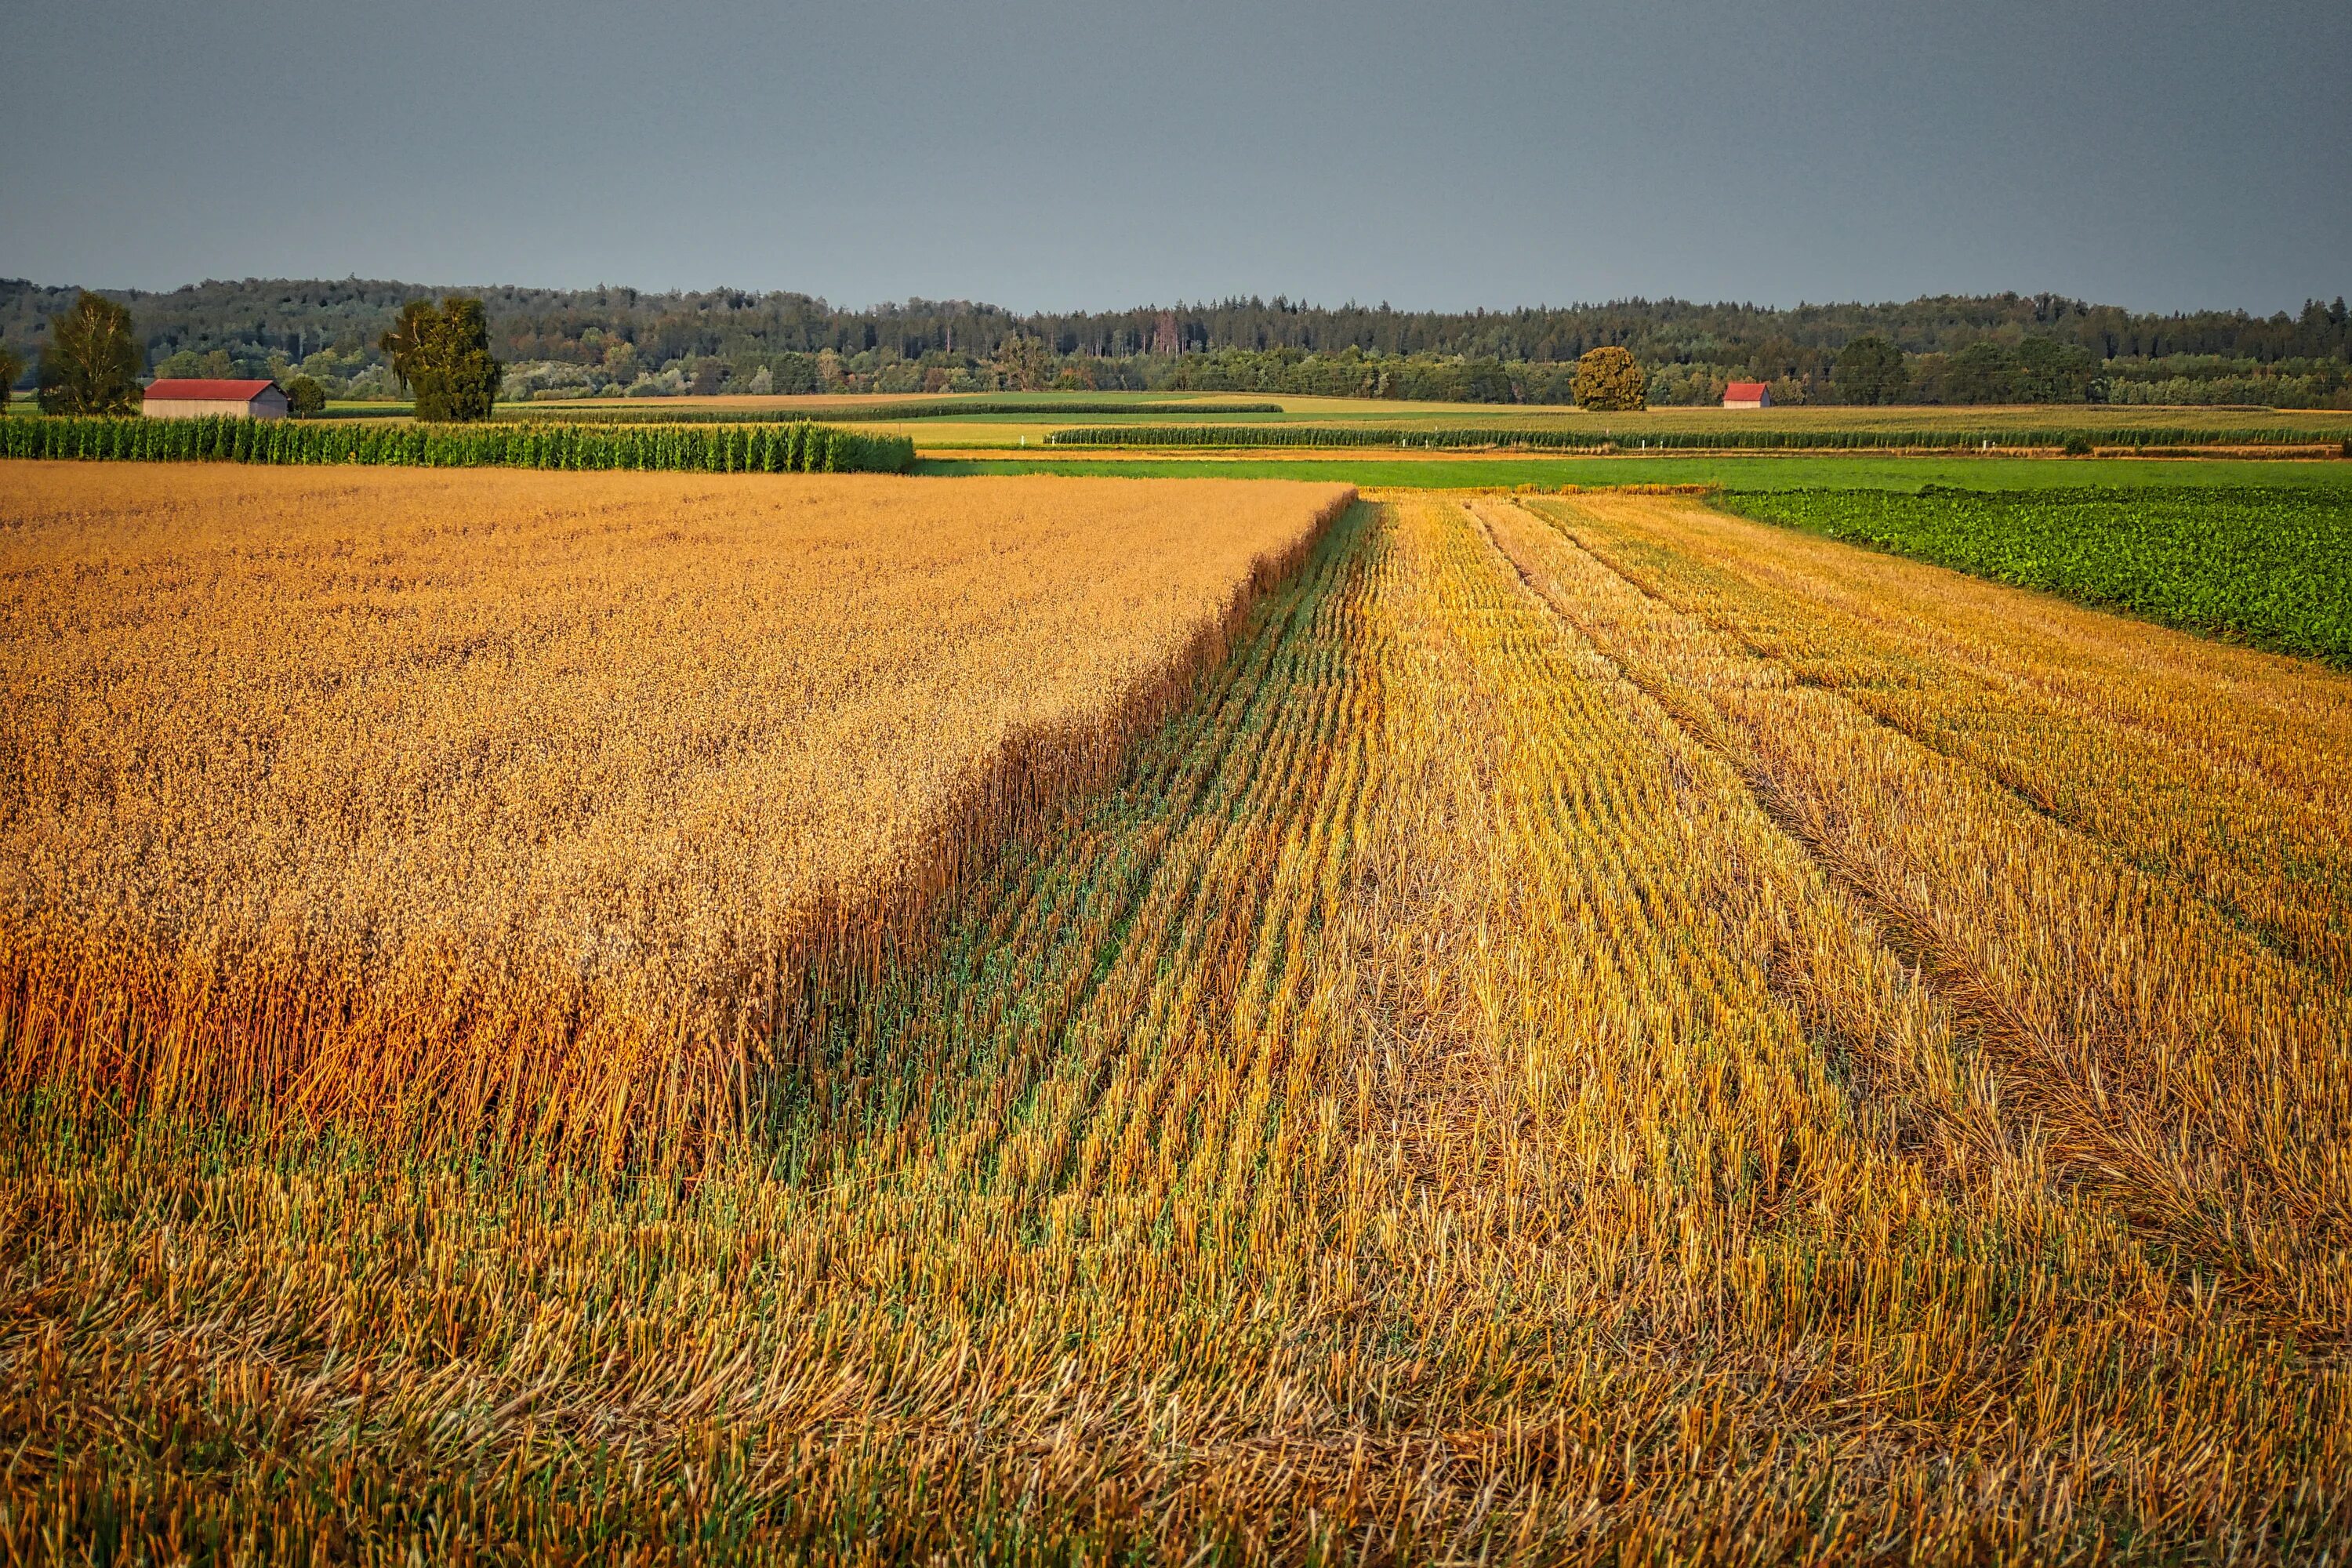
1732	471
2270	566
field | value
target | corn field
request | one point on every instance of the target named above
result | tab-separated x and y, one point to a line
795	448
1573	1029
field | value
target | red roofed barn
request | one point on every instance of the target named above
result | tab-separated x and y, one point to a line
193	399
1747	395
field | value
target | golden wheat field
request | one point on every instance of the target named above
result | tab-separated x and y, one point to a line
431	801
1572	1029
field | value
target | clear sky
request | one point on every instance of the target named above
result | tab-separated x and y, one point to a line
1094	154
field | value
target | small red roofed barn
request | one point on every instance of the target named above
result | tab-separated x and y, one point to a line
194	399
1747	395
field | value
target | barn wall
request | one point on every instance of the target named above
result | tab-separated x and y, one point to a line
262	407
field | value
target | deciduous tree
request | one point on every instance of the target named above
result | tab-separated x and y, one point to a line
1025	362
445	354
404	344
1610	379
91	363
305	398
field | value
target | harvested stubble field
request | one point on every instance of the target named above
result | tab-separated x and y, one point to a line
1600	1031
2270	566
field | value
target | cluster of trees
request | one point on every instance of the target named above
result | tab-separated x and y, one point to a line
621	342
2217	379
90	361
2035	370
1870	371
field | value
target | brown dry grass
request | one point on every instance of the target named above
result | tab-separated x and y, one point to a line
452	799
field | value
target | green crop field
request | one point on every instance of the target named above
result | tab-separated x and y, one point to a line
1308	423
1989	436
1634	425
1730	471
2270	566
1551	1009
1070	407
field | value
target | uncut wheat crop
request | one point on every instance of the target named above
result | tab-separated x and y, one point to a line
478	799
1590	1032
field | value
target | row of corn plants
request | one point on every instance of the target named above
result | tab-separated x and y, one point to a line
798	448
1602	440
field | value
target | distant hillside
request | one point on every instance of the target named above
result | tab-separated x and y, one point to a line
729	339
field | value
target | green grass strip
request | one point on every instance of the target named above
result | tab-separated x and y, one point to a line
1762	439
1751	471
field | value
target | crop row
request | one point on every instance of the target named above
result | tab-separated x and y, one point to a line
1700	440
798	448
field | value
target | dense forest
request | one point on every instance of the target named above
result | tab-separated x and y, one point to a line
1993	348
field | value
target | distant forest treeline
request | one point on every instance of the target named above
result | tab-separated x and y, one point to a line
566	342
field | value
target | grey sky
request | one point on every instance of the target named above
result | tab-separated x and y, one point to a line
1090	154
